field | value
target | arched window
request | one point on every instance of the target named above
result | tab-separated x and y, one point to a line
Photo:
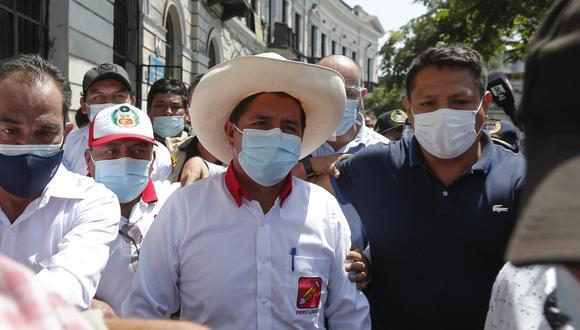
211	53
169	42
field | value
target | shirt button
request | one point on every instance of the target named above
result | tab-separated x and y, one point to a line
445	193
263	260
263	300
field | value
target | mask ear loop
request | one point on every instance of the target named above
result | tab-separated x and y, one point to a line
234	149
475	115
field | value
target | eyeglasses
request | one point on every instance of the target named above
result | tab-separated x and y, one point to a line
132	235
354	91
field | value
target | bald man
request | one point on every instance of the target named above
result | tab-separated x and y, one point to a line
350	136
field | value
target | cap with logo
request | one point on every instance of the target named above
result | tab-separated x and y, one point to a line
106	71
389	120
121	121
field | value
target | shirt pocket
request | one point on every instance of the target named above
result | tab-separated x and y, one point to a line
306	281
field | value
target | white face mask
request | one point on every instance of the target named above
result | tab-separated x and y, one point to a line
96	108
568	295
446	133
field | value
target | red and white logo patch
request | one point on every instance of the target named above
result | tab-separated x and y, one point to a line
309	291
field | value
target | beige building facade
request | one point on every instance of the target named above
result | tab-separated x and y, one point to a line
182	38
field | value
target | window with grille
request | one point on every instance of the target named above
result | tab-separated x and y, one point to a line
297	31
169	42
126	38
23	27
126	41
313	41
322	45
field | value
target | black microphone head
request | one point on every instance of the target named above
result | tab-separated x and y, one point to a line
502	92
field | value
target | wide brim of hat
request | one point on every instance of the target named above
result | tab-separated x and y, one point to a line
548	230
320	90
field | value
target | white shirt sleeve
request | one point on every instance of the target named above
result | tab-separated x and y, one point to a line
162	167
154	291
518	296
347	307
74	271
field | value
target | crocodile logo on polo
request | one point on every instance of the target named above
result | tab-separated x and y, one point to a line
125	117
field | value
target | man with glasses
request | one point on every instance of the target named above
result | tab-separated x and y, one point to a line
121	155
105	85
351	136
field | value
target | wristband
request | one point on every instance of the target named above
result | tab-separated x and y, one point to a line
308	167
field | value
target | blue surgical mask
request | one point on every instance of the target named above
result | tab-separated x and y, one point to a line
27	169
348	118
168	126
96	108
126	177
267	156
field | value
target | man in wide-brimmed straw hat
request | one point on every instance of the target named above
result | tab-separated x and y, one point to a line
255	248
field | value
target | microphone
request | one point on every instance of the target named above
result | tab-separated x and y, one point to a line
503	94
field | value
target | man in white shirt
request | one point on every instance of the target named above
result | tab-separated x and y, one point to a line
121	155
57	223
105	85
255	248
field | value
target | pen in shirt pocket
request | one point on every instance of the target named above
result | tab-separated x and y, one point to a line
293	254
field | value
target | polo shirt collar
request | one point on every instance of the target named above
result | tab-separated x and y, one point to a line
237	191
483	164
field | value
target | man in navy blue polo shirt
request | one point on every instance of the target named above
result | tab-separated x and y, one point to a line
439	205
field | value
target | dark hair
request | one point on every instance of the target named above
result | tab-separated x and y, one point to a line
34	70
81	118
168	85
243	106
457	55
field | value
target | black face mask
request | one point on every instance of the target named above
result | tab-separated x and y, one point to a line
26	175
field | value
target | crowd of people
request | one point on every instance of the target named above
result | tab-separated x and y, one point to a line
263	197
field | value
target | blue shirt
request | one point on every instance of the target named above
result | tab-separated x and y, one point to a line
436	250
364	138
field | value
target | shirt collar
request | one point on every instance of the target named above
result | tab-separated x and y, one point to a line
482	165
237	191
484	162
62	186
149	195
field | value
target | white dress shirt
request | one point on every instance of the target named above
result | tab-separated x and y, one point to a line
77	142
229	265
64	235
364	138
116	279
518	297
